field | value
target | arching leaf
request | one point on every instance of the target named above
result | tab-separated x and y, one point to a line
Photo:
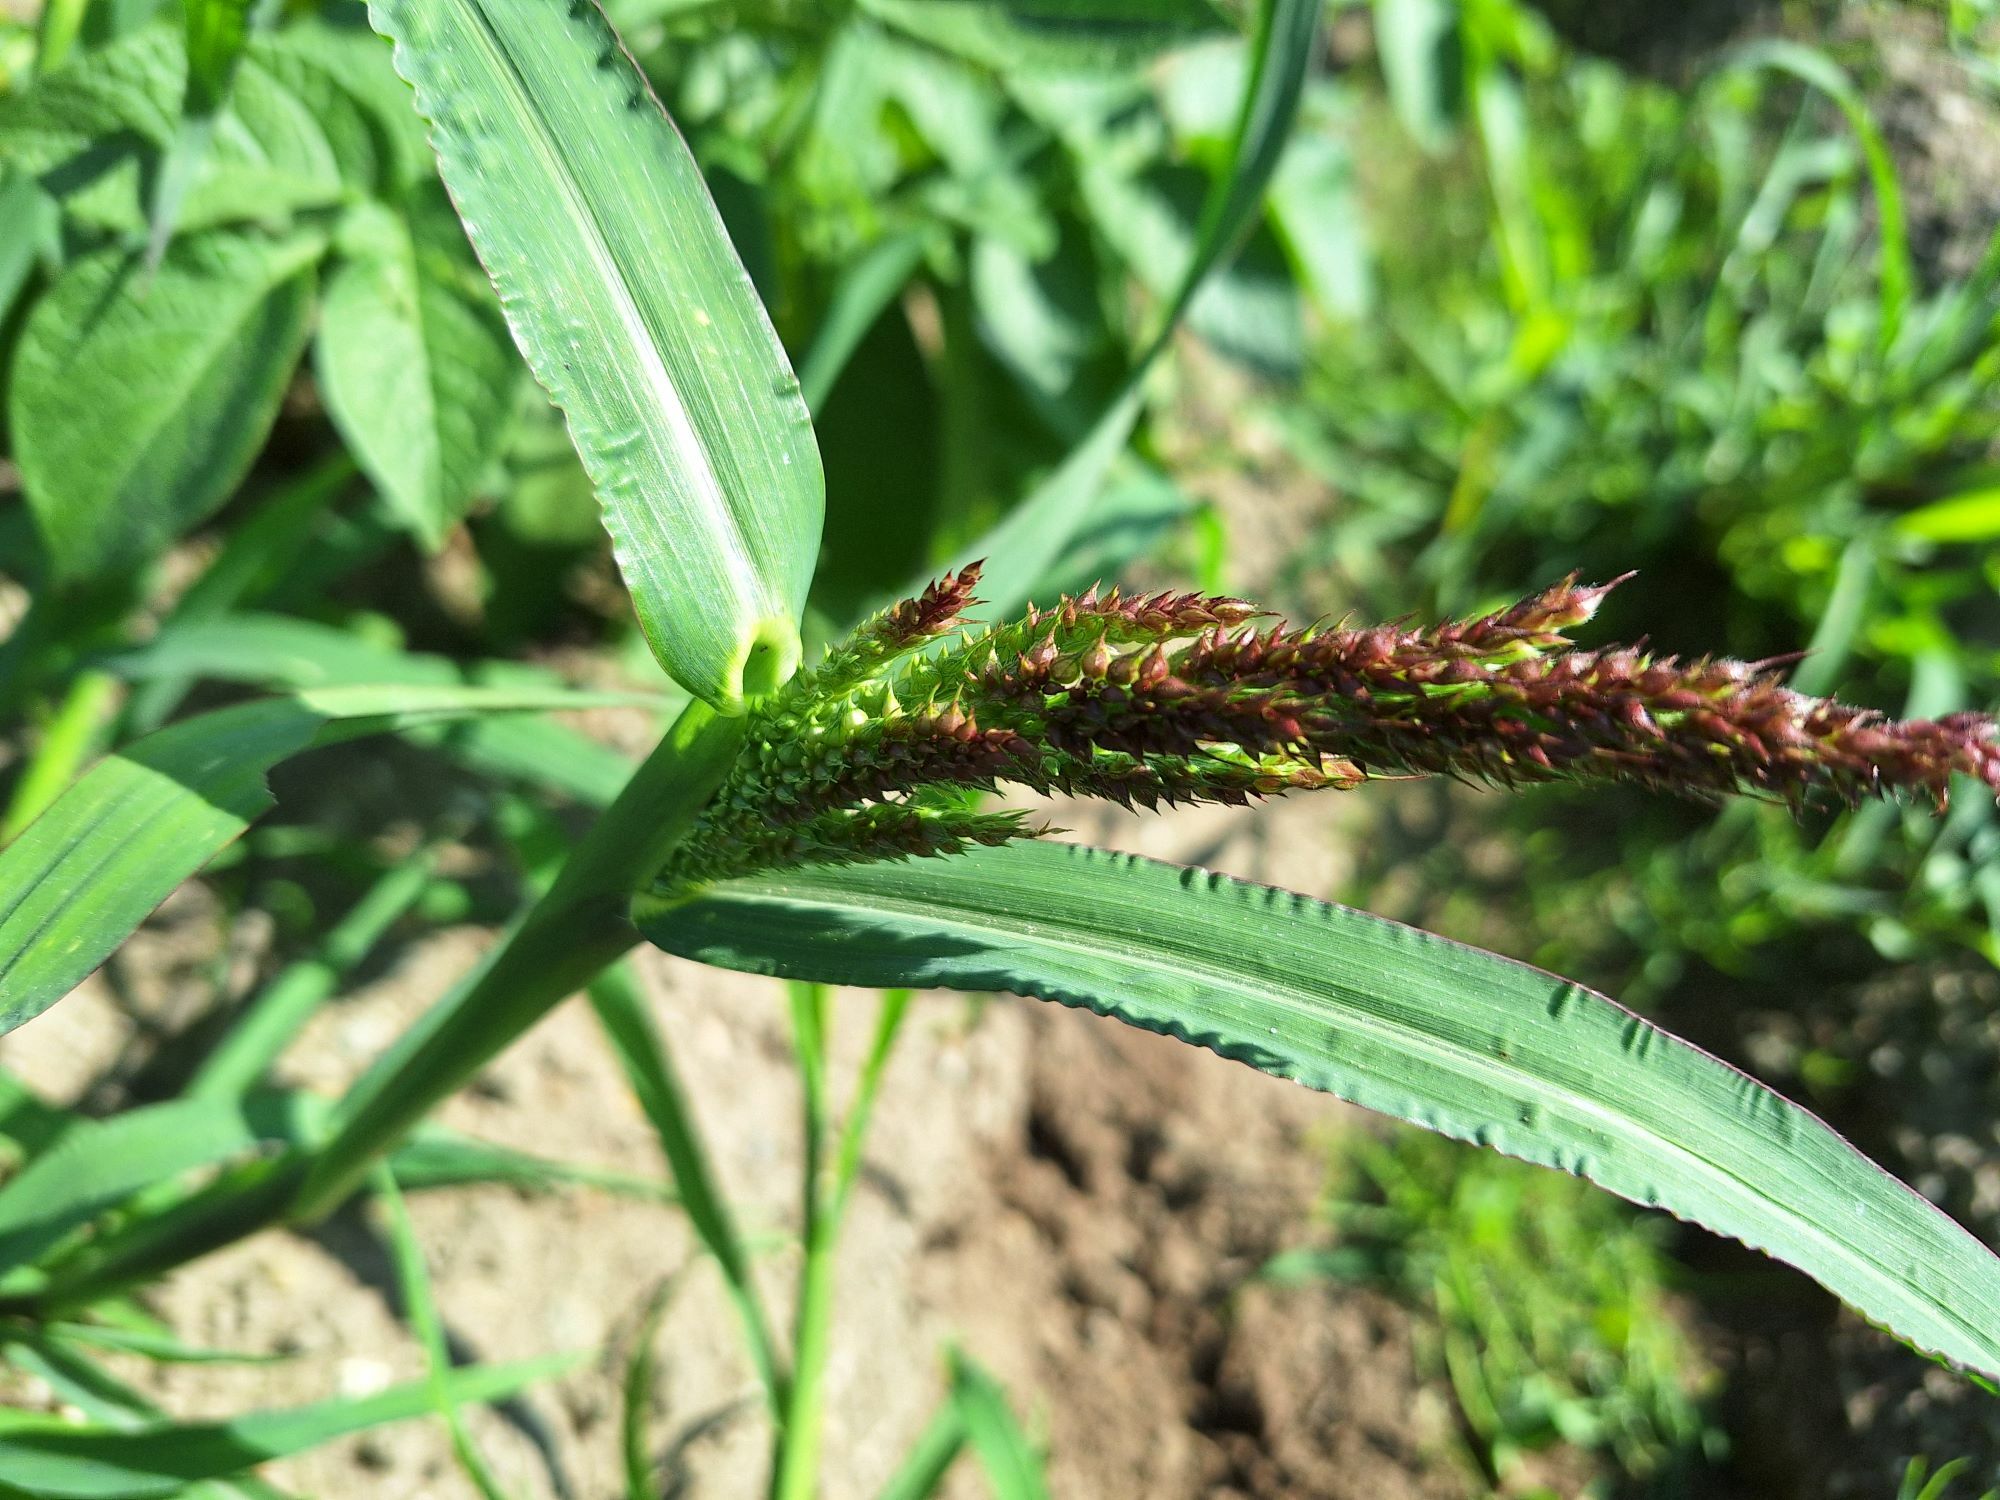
1464	1042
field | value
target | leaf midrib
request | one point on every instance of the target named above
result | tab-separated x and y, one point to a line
706	484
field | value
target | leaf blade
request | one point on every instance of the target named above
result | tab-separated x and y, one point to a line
417	374
636	314
88	871
56	1460
1029	542
135	412
1467	1043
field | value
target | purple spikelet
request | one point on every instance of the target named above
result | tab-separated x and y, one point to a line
1167	698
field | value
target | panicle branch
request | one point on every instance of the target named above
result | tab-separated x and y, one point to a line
1154	700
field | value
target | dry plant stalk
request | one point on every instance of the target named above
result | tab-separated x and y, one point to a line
1171	698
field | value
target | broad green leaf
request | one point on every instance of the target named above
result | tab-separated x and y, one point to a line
1422	66
27	232
1042	317
139	402
85	130
636	314
87	872
339	79
1472	1045
1247	309
316	116
99	1163
53	1459
545	498
217	32
1317	212
414	360
1061	35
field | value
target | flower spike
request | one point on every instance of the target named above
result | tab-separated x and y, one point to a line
1149	701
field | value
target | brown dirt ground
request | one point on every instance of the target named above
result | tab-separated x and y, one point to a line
1074	1203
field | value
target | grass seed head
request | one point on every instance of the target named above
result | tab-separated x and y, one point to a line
1153	700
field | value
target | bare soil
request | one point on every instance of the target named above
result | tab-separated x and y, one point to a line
1075	1204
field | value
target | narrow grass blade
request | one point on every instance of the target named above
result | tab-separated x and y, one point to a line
281	651
1815	69
413	1280
59	1461
73	735
640	1482
217	33
1467	1043
440	1158
1011	1464
628	1026
1840	621
87	872
797	1457
635	312
1021	551
102	1398
56	32
930	1458
1969	516
854	1129
100	1163
161	1348
574	932
160	1232
862	292
276	1013
831	1165
254	554
1057	35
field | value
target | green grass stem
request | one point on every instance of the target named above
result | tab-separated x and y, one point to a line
577	930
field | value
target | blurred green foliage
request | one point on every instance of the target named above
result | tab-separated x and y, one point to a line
1544	1307
1622	324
